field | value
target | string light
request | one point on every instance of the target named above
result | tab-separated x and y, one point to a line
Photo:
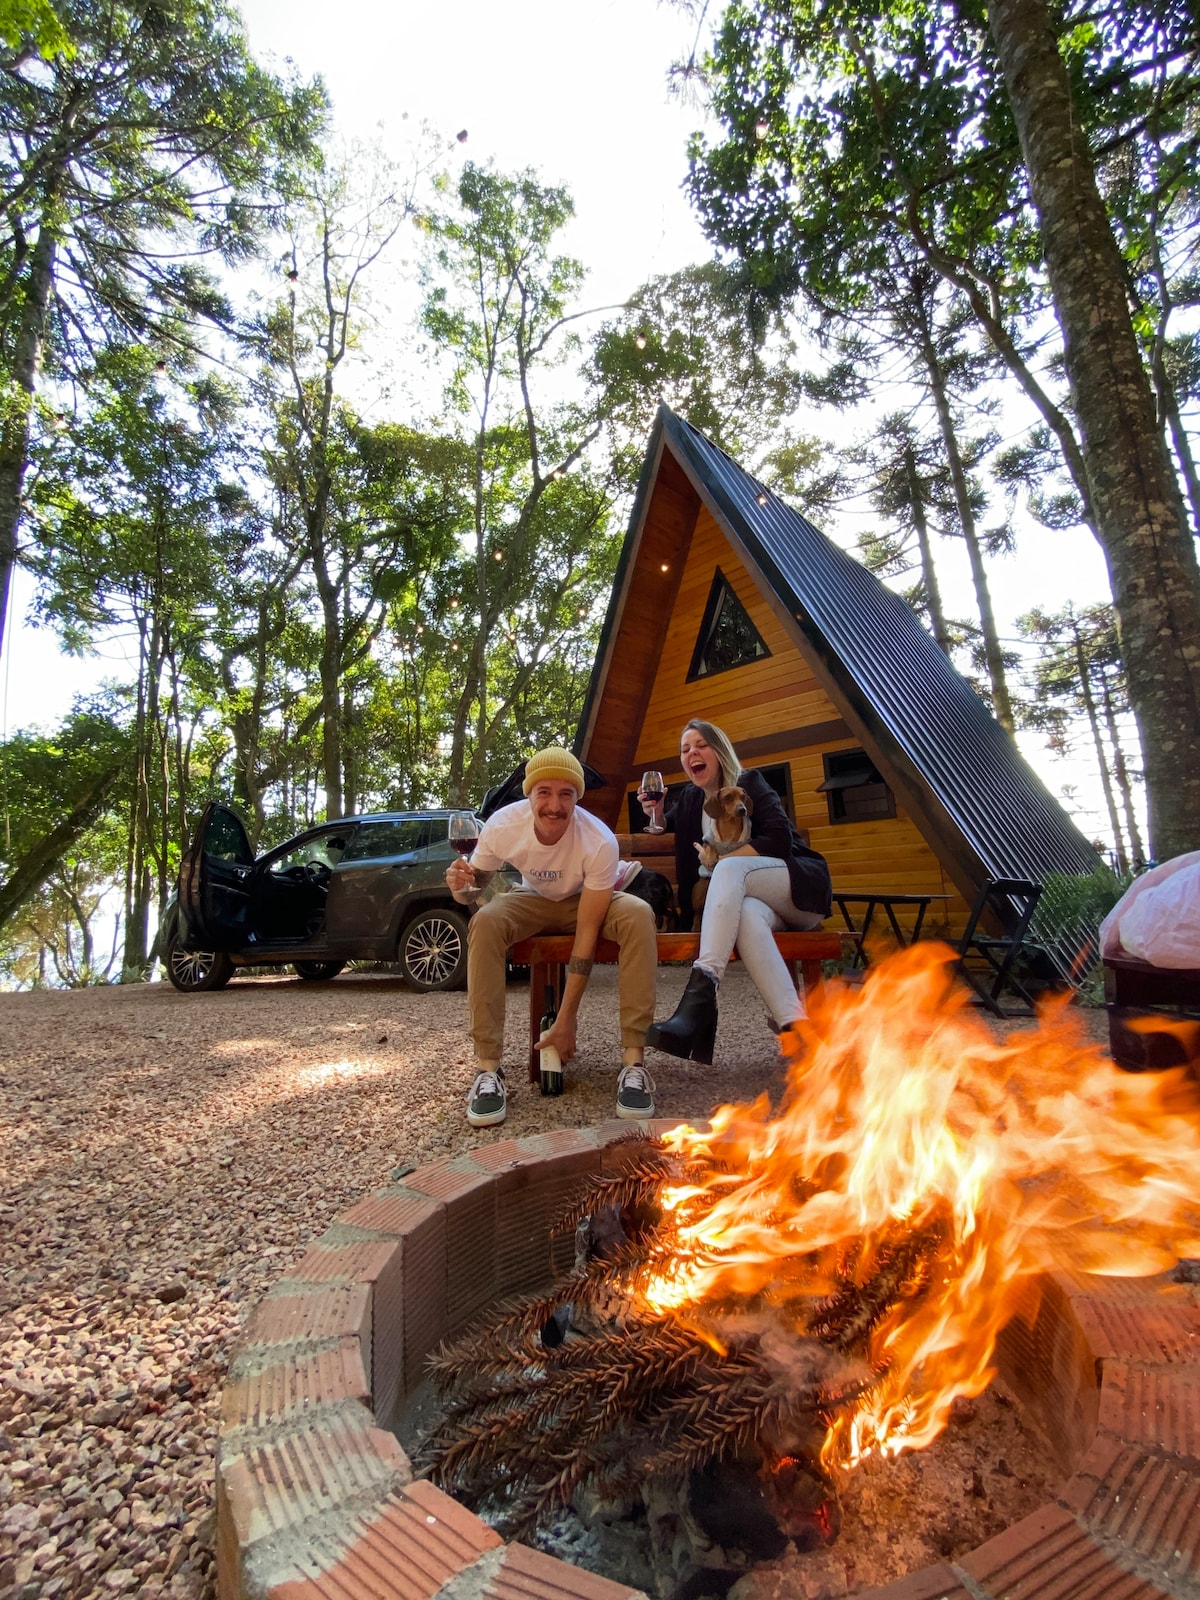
762	499
640	341
666	567
497	555
292	274
761	130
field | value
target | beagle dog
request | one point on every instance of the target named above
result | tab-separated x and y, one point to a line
726	824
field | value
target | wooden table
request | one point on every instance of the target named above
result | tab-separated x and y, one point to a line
870	901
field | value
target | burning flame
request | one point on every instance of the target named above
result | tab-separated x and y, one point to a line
904	1119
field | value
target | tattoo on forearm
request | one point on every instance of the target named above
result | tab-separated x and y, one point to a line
581	966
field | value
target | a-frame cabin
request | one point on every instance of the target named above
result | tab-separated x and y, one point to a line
730	606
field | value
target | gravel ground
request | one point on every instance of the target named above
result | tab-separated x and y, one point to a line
166	1159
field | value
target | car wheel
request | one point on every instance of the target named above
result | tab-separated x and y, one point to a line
433	950
192	971
318	971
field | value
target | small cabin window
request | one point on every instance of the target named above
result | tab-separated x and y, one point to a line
854	788
727	637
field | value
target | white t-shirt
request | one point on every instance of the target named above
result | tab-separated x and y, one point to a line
585	857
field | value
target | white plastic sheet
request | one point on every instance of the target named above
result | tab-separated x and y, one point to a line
1158	917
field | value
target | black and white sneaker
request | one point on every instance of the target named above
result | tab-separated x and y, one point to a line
488	1102
635	1092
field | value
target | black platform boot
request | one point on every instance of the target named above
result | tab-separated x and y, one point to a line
690	1033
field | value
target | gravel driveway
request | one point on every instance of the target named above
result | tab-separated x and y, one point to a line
166	1158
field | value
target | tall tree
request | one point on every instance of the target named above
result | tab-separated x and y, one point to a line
359	506
1079	674
902	465
126	506
1134	494
849	126
152	142
538	551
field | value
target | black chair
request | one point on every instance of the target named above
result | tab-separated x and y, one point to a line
1008	903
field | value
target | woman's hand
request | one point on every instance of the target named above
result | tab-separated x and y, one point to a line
654	809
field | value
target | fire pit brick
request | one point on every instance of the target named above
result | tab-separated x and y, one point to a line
281	1383
1148	1319
1147	1501
1153	1406
1050	1556
525	1574
931	1583
417	1543
315	1501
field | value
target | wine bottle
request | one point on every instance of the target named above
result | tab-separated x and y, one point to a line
550	1071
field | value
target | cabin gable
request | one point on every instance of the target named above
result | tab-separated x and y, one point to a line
848	667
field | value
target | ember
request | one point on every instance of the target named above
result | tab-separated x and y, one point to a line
800	1291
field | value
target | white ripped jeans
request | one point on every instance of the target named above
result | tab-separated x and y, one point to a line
749	900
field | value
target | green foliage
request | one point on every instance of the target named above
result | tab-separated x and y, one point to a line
538	551
39	772
1074	900
37	22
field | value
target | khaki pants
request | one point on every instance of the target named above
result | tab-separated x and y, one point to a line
500	923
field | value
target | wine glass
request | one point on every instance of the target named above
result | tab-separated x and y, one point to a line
464	832
653	788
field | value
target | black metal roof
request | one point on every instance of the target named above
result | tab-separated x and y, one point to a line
889	668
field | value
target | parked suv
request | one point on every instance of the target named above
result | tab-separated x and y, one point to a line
364	889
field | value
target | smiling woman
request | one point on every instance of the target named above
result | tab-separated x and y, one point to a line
759	878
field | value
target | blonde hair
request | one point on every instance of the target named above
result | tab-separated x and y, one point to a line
715	739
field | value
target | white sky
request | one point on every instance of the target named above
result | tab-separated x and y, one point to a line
579	93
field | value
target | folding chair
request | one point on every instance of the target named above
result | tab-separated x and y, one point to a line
1010	903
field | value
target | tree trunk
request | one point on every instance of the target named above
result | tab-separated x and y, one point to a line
1121	774
14	425
1093	716
1134	495
993	654
933	593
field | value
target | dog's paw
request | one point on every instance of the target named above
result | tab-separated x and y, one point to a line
708	856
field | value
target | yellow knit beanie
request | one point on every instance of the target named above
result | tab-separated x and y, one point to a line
553	763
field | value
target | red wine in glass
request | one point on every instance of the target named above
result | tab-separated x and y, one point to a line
464	833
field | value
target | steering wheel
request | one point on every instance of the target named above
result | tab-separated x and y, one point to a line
318	872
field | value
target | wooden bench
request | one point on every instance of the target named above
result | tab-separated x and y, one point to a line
546	955
1137	993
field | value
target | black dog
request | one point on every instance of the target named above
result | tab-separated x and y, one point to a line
658	894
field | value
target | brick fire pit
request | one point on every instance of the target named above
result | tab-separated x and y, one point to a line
316	1500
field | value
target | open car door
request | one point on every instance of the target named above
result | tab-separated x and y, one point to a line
214	881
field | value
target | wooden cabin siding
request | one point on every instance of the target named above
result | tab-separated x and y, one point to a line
765	696
774	698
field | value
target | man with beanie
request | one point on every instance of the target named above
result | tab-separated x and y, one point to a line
568	861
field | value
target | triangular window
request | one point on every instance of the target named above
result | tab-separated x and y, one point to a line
727	637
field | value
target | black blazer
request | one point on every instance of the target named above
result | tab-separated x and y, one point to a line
771	834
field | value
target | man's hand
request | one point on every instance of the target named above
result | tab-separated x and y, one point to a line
460	877
560	1037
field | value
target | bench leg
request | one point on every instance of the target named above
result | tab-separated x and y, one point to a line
813	978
